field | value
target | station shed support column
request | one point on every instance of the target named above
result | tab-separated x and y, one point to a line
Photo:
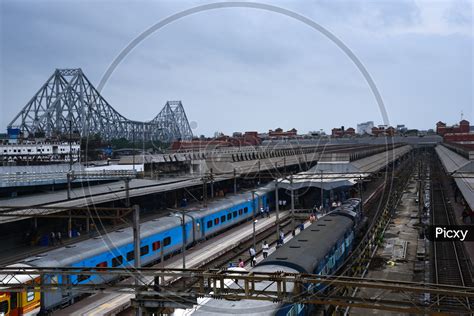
212	185
253	220
292	205
277	209
322	192
235	181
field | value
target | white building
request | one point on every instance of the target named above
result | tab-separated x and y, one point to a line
39	152
365	128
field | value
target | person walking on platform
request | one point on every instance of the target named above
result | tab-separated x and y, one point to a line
52	239
267	211
59	238
252	253
241	263
281	241
265	249
301	227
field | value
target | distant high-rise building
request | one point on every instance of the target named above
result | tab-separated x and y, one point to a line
365	128
401	128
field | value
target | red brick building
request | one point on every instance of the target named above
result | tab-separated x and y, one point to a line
442	129
350	132
247	139
338	132
390	131
279	133
462	138
382	131
459	133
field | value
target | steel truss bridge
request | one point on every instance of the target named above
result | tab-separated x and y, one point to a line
156	294
68	102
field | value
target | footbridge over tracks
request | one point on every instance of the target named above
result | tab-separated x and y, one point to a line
214	284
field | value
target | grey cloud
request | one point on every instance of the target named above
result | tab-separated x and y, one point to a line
240	69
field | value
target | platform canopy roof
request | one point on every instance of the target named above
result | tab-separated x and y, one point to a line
334	174
451	160
462	169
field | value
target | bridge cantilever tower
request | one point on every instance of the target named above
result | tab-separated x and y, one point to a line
69	102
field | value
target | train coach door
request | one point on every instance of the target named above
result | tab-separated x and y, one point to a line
199	228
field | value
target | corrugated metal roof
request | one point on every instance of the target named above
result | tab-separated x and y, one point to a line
462	170
466	186
379	161
451	161
330	175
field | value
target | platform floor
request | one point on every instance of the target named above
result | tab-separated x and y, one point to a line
458	209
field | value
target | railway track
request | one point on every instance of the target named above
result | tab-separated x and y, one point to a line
241	251
450	264
378	210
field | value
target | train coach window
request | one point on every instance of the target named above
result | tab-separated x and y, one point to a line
166	241
234	213
155	246
209	224
117	261
241	211
30	296
82	277
246	209
216	221
101	265
229	216
222	218
144	251
130	256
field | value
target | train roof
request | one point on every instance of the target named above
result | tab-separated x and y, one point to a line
229	201
305	250
67	255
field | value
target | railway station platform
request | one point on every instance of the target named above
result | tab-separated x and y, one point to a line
459	166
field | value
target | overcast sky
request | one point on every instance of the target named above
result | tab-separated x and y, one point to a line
245	69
